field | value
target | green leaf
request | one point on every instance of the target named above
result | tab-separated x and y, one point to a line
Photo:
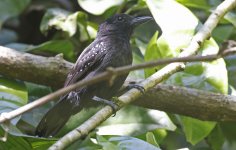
98	7
133	120
141	4
13	94
124	142
14	143
137	59
53	47
177	30
56	47
196	130
228	128
30	119
152	53
41	144
150	138
176	22
210	76
62	20
11	8
231	67
216	138
201	4
217	33
86	144
106	145
231	17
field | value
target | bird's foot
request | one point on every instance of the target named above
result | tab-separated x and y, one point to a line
136	86
74	97
112	104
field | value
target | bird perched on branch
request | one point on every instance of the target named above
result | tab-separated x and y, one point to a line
111	48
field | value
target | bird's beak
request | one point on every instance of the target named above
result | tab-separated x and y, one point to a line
139	20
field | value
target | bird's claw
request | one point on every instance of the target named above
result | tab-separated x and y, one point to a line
136	86
107	102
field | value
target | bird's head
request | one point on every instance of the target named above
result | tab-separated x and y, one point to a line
121	24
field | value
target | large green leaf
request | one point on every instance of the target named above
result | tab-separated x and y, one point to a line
56	47
98	7
11	8
59	19
52	47
196	130
13	94
14	143
177	30
30	119
210	76
67	22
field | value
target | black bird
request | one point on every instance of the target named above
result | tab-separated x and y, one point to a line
111	48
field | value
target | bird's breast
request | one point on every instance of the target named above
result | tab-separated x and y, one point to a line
119	53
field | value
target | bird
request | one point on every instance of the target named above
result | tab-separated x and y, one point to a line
110	48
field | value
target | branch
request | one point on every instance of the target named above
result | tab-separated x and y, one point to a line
42	70
109	75
190	102
156	78
33	68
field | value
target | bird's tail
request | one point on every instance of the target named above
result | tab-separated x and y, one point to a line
54	119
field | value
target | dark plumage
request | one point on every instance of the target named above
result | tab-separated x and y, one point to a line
111	48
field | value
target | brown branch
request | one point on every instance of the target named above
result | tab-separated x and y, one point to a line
33	68
42	70
106	76
190	102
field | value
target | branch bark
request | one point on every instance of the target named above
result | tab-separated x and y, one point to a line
52	71
111	73
33	68
190	102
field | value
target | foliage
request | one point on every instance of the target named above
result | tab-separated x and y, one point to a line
52	27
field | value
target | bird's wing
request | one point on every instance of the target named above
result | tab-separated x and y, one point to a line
86	62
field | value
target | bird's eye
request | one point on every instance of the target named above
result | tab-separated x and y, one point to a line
120	19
